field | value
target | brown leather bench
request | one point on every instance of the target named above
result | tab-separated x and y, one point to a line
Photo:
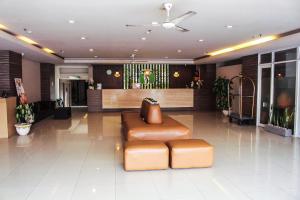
151	124
145	155
190	153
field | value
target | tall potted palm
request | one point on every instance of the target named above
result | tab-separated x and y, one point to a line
220	89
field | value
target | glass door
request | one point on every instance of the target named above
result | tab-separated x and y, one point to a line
265	84
284	94
279	89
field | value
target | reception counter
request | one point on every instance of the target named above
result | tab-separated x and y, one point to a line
132	98
118	99
7	117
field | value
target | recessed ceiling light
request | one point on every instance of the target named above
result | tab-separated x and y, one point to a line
229	26
201	40
27	31
83	38
179	51
91	50
144	38
71	21
154	23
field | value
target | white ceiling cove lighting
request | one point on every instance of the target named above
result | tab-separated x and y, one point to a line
83	38
91	50
179	51
201	40
71	21
244	45
229	26
144	38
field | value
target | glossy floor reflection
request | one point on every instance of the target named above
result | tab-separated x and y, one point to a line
81	159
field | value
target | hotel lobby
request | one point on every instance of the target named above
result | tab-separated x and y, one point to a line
155	100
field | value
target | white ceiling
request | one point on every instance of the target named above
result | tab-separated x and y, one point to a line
103	23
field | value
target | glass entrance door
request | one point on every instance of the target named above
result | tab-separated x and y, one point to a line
278	89
265	73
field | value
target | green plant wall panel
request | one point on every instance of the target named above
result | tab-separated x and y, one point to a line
157	79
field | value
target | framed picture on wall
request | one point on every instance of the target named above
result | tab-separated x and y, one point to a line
19	86
20	91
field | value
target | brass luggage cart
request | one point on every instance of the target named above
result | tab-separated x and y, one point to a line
239	116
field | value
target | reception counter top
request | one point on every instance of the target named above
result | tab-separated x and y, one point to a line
169	99
132	98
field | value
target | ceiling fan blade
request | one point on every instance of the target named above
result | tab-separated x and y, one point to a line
143	25
137	25
186	15
181	29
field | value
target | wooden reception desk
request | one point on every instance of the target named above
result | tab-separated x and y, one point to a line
7	117
132	98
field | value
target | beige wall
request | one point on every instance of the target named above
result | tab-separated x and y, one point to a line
229	71
31	79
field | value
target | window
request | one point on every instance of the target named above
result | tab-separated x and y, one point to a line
286	55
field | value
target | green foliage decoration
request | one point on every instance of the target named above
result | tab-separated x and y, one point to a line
24	113
220	89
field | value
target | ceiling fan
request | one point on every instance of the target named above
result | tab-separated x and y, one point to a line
169	23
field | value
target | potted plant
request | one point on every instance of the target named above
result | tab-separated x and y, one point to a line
281	121
220	89
24	118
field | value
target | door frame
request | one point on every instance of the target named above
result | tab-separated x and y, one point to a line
259	77
297	87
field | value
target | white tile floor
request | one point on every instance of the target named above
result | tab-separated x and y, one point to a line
82	159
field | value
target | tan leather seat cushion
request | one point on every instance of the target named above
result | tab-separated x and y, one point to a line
146	155
190	153
136	129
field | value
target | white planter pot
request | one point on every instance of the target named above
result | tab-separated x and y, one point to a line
23	129
278	130
225	112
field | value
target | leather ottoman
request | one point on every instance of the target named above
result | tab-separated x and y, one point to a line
191	153
145	155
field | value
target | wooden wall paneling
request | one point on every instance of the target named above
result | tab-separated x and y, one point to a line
186	75
205	99
10	68
47	81
249	69
108	81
